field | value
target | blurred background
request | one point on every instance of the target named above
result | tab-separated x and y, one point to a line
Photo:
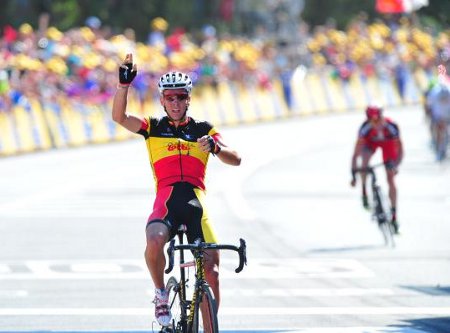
58	67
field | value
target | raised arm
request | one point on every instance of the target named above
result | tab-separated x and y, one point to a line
127	72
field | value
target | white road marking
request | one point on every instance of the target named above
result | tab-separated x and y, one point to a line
258	268
297	268
13	293
316	292
254	311
343	330
301	292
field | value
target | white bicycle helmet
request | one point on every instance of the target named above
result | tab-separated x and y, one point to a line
175	80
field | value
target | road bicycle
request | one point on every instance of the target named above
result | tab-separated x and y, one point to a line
380	208
199	313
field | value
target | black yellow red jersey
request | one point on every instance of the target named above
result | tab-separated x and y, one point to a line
173	151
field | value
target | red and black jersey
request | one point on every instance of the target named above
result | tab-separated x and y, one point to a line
385	136
385	133
173	151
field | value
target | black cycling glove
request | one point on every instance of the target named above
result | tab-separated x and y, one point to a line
213	147
126	74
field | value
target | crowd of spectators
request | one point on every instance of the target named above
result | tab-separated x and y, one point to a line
81	63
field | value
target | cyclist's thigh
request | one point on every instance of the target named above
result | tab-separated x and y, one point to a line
211	260
390	155
161	215
192	212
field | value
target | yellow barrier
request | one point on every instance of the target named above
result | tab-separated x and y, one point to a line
34	126
8	144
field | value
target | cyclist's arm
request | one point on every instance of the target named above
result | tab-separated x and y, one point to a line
226	154
119	114
229	156
357	152
400	151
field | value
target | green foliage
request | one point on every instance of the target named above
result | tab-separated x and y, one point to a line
65	13
339	12
437	12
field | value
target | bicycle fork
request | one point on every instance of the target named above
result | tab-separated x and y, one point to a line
197	295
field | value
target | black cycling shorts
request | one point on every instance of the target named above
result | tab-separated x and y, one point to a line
183	203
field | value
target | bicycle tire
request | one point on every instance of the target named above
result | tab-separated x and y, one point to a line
379	210
386	229
172	287
207	317
384	224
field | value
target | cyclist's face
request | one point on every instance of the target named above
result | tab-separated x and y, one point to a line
375	119
175	103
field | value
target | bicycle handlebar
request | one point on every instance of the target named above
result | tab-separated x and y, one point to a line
202	246
368	168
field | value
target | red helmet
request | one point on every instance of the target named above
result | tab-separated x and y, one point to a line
373	111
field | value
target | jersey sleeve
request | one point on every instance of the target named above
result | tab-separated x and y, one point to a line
363	133
214	133
393	131
145	128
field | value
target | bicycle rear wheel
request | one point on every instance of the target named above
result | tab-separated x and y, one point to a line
205	313
175	301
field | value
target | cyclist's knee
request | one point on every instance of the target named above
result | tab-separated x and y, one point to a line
157	235
212	264
212	276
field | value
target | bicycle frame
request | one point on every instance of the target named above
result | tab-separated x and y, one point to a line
380	212
188	307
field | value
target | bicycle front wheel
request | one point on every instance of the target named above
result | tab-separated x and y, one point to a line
387	230
175	301
384	223
205	313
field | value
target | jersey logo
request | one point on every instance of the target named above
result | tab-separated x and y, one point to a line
179	146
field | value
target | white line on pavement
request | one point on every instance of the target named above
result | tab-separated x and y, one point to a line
301	292
241	311
260	268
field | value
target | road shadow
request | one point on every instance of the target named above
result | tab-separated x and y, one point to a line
437	290
429	325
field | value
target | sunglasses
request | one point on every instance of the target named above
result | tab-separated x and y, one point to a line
173	98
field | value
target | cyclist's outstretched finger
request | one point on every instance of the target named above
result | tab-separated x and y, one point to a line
128	60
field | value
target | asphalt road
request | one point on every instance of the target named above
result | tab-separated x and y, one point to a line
72	235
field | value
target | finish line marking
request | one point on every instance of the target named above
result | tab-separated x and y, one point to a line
281	311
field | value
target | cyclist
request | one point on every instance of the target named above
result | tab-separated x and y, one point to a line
376	132
438	104
178	148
